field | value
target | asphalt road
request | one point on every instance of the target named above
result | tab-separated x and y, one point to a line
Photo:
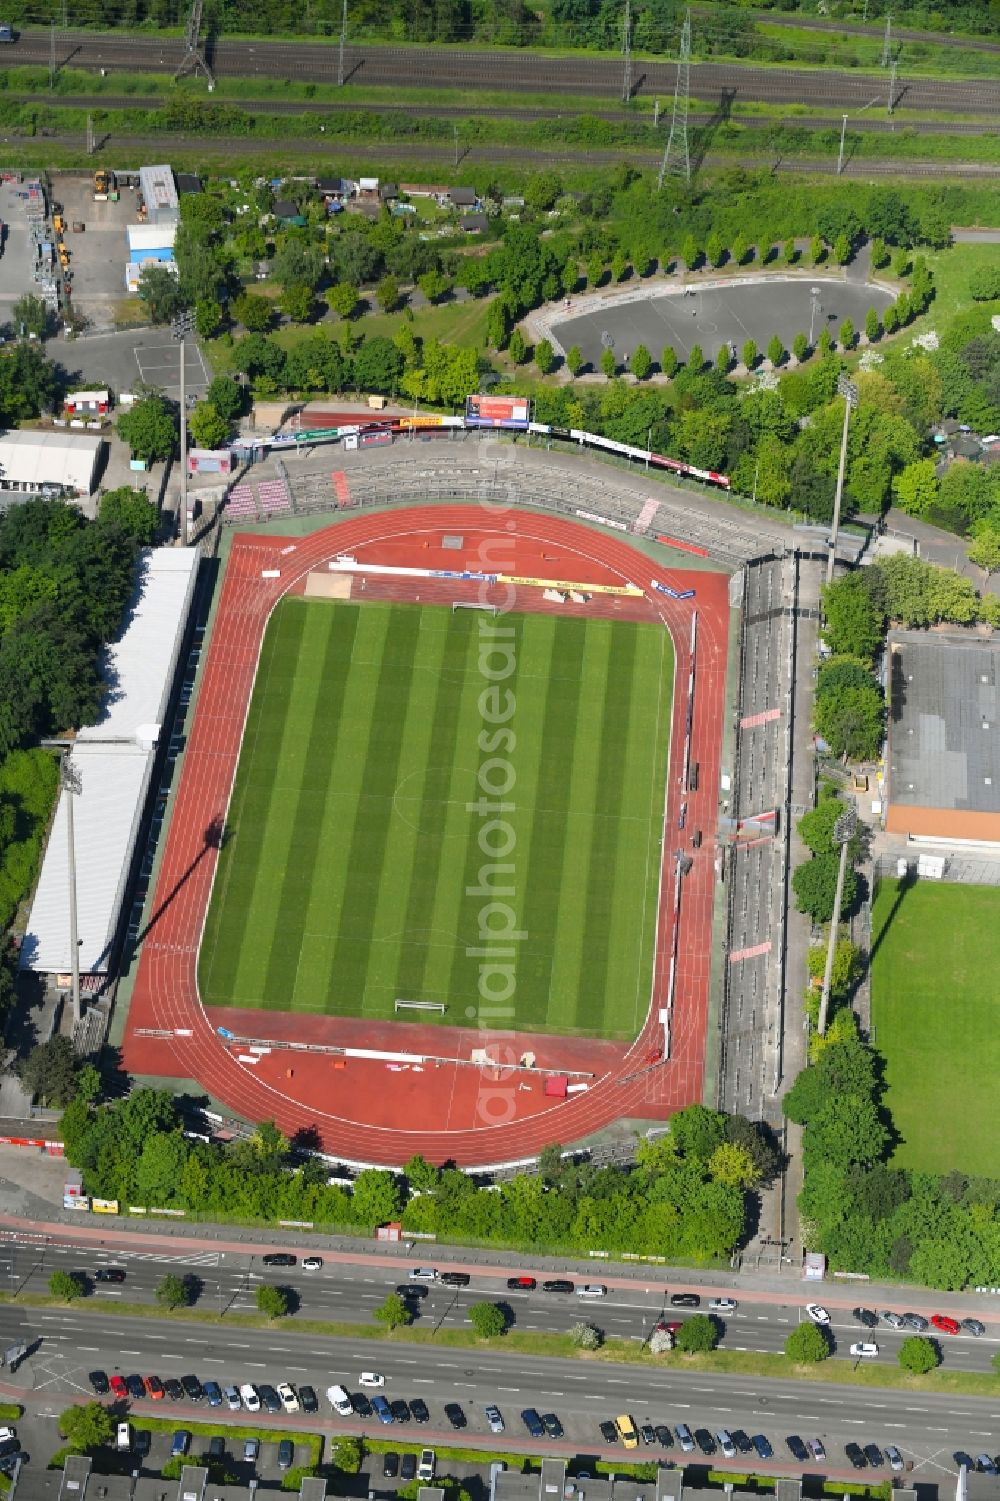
926	1429
350	1292
520	72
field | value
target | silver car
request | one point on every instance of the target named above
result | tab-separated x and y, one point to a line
894	1320
894	1457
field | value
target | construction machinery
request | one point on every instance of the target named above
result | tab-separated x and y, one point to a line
105	186
59	225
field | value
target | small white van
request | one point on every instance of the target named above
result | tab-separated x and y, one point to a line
340	1401
123	1436
591	1290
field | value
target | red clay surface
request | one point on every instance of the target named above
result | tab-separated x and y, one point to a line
368	1110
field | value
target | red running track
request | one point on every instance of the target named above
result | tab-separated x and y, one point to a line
309	1096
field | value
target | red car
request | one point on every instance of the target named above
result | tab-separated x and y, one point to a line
671	1326
119	1388
154	1387
945	1324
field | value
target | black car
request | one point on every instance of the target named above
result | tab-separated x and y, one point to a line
213	1391
854	1454
646	1432
762	1445
109	1274
961	1458
704	1440
408	1468
99	1381
400	1410
455	1279
663	1436
418	1410
142	1441
9	1446
390	1464
557	1285
874	1456
552	1425
797	1448
8	1461
609	1433
412	1290
972	1326
135	1386
866	1316
742	1441
286	1454
173	1389
533	1423
362	1406
455	1415
685	1300
269	1399
193	1388
307	1399
915	1321
278	1258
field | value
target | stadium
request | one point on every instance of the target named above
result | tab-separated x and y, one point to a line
441	866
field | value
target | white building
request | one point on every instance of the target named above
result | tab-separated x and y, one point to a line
49	463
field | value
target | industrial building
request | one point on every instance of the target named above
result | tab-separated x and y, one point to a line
159	195
149	244
943	754
49	463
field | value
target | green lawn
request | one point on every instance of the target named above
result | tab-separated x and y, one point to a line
934	979
354	869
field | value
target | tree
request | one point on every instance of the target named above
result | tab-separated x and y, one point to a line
67	1285
342	299
297	302
253	312
348	1453
619	265
272	1301
852	720
86	1428
173	1291
698	1334
498	323
878	254
29	315
149	429
394	1312
50	1071
732	1164
847	1130
545	356
723	359
159	292
984	283
595	269
854	625
800	346
132	512
696	359
434	285
690	252
207	316
641	362
487	1320
668	361
574	359
791	252
807	1345
775	351
817	250
226	396
872	325
845	336
207	426
749	354
570	275
842	250
387	294
824	343
608	363
815	886
918	1355
378	366
715	249
586	1336
739	250
984	550
915	488
517	348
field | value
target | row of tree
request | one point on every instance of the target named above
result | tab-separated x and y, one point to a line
866	1215
686	1197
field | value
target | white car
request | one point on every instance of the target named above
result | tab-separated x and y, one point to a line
494	1417
592	1290
723	1305
865	1350
289	1400
894	1457
312	1263
371	1378
249	1398
816	1449
817	1313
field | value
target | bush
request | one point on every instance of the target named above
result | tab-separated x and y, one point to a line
488	1320
697	1335
586	1336
984	284
272	1301
807	1345
918	1355
67	1285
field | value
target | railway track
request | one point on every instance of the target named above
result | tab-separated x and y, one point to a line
522	72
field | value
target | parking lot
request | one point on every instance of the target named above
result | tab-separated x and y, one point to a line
16	263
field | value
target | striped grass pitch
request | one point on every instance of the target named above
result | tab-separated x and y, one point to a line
345	881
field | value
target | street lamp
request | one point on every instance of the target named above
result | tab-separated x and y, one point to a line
183	326
72	785
843	833
849	391
814	308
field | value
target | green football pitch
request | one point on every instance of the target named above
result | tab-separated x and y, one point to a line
936	958
352	872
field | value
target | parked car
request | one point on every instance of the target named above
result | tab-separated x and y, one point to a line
193	1389
312	1263
854	1454
269	1399
609	1433
279	1258
818	1313
647	1433
213	1391
455	1415
874	1456
742	1441
817	1449
426	1466
286	1393
217	1447
972	1326
390	1464
894	1320
557	1285
864	1350
915	1321
722	1305
109	1274
521	1284
964	1460
408	1468
552	1425
455	1279
533	1423
704	1440
382	1410
308	1399
895	1459
684	1437
797	1448
494	1418
173	1389
944	1324
762	1445
663	1436
231	1394
592	1290
361	1405
400	1410
685	1300
985	1465
866	1316
118	1388
251	1450
136	1387
180	1443
286	1454
249	1397
419	1413
724	1439
142	1442
99	1382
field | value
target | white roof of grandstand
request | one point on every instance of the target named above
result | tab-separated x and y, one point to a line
136	666
114	759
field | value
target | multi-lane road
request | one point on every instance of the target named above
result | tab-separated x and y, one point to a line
517	72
